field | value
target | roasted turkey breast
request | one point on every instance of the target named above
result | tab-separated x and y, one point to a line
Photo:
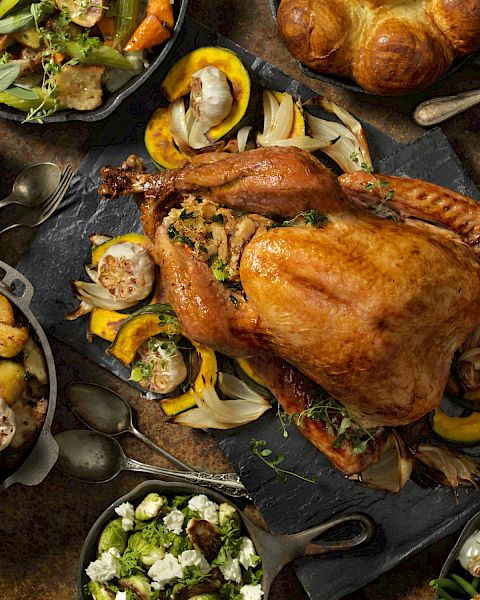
370	308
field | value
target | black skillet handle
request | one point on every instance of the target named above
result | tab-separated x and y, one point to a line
304	544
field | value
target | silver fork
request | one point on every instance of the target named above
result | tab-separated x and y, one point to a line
45	210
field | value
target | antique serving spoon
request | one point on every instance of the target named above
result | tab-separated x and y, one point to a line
436	110
98	458
33	185
105	411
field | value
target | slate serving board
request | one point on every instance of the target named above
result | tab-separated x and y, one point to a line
408	521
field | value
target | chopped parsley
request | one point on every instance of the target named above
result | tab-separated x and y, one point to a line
179	238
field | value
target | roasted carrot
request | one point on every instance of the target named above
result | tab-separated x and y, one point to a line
150	32
163	10
107	29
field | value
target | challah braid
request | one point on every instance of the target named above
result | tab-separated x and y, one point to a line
389	47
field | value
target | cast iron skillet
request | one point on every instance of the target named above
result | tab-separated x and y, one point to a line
44	453
111	100
349	84
275	550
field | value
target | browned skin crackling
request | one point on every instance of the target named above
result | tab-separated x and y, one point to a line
370	309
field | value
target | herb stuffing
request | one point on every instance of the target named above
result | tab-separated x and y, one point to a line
175	546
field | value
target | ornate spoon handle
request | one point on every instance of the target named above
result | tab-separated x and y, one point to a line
226	483
437	110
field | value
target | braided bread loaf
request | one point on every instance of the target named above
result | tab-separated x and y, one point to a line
388	46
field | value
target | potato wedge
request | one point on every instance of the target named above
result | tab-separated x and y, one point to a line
12	381
12	339
6	311
34	361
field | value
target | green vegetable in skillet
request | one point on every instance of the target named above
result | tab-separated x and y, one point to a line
113	536
179	547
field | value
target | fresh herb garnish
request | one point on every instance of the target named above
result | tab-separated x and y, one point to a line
218	218
184	215
385	194
312	217
259	448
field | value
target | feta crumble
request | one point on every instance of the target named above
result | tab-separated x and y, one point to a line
251	592
207	509
231	570
247	555
127	512
104	568
165	570
174	521
193	558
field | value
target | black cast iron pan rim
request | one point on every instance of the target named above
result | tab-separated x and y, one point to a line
349	84
116	98
43	454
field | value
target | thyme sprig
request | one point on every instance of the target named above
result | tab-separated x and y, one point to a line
339	423
259	448
313	218
386	195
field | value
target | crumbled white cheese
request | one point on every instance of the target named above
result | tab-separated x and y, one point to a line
165	570
121	596
247	555
174	521
127	512
104	568
207	509
231	570
251	592
193	558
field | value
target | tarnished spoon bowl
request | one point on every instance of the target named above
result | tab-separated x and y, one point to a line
34	185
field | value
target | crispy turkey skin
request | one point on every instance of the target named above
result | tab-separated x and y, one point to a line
369	308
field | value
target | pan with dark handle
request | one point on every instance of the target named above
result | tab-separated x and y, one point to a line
275	550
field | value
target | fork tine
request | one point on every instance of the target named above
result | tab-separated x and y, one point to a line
53	196
59	195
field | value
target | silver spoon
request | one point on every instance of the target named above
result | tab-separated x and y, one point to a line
105	411
34	185
97	458
436	110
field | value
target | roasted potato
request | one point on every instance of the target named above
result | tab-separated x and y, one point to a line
12	381
6	311
12	339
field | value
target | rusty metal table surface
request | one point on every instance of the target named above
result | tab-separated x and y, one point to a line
42	529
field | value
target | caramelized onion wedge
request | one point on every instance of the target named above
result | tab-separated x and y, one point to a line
454	468
393	469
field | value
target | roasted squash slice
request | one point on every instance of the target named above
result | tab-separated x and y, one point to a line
105	323
159	141
461	430
244	89
134	238
208	372
298	126
140	326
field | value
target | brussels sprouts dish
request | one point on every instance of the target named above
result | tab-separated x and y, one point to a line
175	547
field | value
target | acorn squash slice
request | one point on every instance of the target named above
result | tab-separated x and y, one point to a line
105	323
461	430
133	238
208	372
159	141
141	325
244	88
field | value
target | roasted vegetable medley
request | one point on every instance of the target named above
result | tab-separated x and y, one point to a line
175	547
23	387
58	54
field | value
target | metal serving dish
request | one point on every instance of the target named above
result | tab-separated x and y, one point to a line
44	452
350	84
449	565
112	101
275	550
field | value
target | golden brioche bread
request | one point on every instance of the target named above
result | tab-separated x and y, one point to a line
389	47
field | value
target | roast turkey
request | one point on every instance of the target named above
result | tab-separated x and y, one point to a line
369	304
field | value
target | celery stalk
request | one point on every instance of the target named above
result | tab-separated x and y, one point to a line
6	5
25	105
102	55
127	20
